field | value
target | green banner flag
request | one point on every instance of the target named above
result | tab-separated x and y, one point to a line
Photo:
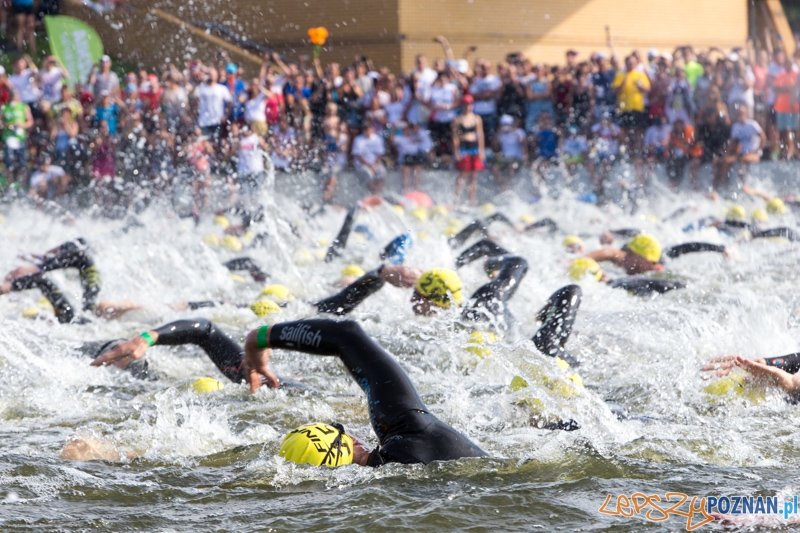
75	44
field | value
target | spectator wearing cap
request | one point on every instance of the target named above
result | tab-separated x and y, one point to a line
469	149
631	87
17	120
605	97
538	93
485	88
236	87
509	152
739	85
102	78
368	152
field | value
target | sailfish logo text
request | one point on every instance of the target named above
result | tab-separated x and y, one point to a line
302	335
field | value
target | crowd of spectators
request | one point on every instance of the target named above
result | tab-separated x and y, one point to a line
203	123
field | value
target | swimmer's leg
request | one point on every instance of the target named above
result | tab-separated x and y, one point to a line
63	309
557	317
786	233
245	263
341	239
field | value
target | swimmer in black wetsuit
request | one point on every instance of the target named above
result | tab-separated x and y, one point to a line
643	253
223	351
71	254
408	433
482	227
781	371
636	285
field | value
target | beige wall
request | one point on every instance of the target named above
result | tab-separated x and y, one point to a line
543	30
392	32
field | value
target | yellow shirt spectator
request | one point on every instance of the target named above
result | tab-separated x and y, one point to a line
630	97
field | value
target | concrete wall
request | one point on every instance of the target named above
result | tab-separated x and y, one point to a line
392	32
543	30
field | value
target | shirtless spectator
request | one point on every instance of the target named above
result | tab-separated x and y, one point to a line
213	102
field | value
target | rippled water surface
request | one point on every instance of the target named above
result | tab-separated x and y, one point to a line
209	463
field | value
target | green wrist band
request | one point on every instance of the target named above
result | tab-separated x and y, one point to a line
261	338
149	338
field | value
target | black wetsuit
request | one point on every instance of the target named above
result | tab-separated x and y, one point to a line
64	311
490	301
74	254
789	363
481	226
408	433
340	241
642	286
224	352
246	263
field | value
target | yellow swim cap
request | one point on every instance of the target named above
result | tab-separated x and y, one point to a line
264	307
518	383
759	215
232	243
527	219
572	240
222	221
318	444
213	240
776	207
303	257
477	341
421	214
399	209
736	213
450	231
488	209
646	246
735	385
585	265
277	293
354	271
237	278
206	385
439	285
31	312
438	211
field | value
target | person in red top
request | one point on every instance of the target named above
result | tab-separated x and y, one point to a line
786	107
274	104
5	88
683	148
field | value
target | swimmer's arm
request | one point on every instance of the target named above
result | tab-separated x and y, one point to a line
511	272
626	232
400	276
351	296
693	247
789	363
747	189
607	254
482	248
781	378
125	353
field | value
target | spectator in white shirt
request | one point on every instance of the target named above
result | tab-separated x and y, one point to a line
368	151
510	152
744	147
24	80
48	180
105	80
485	89
51	78
213	105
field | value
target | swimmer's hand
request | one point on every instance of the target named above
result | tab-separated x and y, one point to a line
255	364
730	253
400	276
606	238
125	353
724	364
